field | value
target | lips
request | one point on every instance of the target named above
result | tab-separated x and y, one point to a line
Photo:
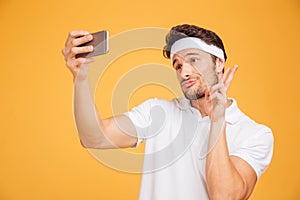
188	83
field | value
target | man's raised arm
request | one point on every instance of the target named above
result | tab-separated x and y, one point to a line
114	132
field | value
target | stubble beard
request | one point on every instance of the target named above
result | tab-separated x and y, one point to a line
199	91
194	94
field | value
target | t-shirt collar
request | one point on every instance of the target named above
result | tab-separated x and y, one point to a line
232	113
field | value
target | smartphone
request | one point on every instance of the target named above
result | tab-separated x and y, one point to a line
99	42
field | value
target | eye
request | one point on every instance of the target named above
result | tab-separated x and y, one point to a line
194	60
178	67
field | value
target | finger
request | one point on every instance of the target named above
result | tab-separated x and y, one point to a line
89	60
79	50
225	75
64	52
230	77
79	61
81	40
75	34
218	87
75	63
217	96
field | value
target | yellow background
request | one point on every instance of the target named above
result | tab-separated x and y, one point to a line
40	154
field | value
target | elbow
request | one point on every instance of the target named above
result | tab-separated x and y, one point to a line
92	145
221	196
91	140
85	144
233	194
82	144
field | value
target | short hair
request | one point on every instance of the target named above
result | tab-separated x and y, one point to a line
186	30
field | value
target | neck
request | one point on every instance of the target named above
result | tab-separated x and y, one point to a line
199	105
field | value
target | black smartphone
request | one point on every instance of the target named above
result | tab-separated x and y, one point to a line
100	44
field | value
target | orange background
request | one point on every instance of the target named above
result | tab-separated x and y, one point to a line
40	154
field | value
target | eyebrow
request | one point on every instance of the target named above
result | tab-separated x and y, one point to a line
174	61
188	54
191	54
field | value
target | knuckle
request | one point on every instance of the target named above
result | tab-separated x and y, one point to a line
74	50
71	33
80	61
85	39
74	43
88	48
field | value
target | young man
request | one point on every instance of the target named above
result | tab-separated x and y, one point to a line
200	146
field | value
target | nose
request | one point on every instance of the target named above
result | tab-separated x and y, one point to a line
186	70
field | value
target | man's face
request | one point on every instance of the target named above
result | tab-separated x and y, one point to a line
195	71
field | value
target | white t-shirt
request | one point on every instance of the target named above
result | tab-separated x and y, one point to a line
176	138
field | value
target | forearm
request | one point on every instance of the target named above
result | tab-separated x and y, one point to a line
88	124
223	180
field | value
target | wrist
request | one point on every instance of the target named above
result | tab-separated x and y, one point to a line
217	126
81	74
80	81
217	120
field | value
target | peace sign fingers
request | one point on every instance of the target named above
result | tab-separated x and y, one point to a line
228	76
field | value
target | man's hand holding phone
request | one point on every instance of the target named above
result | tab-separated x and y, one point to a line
79	49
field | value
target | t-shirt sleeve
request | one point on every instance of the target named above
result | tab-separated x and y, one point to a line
141	118
257	150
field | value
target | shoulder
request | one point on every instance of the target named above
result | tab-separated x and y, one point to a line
254	129
243	129
238	119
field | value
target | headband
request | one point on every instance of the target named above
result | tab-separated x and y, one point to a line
193	42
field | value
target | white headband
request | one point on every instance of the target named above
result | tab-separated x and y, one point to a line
193	42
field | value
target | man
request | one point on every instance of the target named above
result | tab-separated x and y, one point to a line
206	148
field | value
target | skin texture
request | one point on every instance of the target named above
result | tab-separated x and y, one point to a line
202	82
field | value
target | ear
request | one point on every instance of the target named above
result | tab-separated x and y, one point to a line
220	64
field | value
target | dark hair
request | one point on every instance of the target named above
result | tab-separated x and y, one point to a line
186	30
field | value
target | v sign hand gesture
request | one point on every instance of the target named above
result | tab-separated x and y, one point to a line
216	96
